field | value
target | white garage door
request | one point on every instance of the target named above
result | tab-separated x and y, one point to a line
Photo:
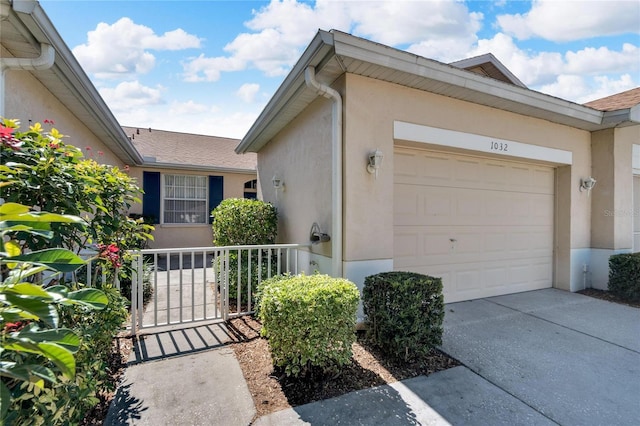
484	225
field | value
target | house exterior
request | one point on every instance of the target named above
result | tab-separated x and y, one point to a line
41	79
452	170
185	176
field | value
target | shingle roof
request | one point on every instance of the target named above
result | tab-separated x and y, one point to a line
622	100
185	149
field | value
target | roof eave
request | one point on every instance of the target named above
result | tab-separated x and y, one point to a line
76	81
485	91
196	167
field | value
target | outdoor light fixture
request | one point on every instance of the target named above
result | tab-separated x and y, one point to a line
317	236
277	183
375	161
587	184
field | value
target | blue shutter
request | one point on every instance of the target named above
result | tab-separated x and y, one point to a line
151	196
216	195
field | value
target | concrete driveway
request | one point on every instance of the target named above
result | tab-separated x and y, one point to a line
572	358
544	357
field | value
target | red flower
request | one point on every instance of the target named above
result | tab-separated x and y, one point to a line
88	148
100	153
14	326
46	121
7	138
110	253
6	132
54	145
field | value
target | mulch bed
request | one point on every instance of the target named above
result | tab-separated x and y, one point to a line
605	295
272	390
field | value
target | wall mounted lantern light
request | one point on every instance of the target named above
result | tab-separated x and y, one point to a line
278	185
374	162
587	184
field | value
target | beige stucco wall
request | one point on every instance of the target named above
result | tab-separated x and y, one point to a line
371	108
27	99
300	155
612	221
190	235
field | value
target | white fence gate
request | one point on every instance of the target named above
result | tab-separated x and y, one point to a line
186	285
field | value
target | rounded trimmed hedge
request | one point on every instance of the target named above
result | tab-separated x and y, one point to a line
624	276
309	321
404	313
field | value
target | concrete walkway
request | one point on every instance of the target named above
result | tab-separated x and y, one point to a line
535	358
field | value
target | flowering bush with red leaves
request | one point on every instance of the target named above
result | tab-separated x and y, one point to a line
111	253
57	177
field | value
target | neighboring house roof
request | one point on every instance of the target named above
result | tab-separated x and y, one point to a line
489	66
333	53
623	100
25	27
161	148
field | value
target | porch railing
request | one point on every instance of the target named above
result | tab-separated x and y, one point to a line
186	285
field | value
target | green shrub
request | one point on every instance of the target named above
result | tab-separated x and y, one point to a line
624	276
309	321
404	313
46	349
68	400
240	221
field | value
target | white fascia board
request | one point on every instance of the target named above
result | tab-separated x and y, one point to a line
634	114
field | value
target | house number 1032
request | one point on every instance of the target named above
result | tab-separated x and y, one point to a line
499	146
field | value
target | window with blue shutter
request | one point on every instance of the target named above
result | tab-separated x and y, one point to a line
151	196
216	194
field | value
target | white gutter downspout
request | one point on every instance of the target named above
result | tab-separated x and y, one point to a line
336	164
42	62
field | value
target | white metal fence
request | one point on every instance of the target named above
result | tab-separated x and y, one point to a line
176	286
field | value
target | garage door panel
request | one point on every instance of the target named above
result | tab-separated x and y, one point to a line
435	206
468	278
497	276
485	226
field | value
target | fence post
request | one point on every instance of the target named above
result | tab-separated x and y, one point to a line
140	285
134	294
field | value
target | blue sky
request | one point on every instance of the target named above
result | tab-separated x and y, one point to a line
209	67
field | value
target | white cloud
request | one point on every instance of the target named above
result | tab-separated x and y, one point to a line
210	120
591	60
131	95
283	28
122	48
548	70
248	91
189	107
572	20
582	89
209	69
410	22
